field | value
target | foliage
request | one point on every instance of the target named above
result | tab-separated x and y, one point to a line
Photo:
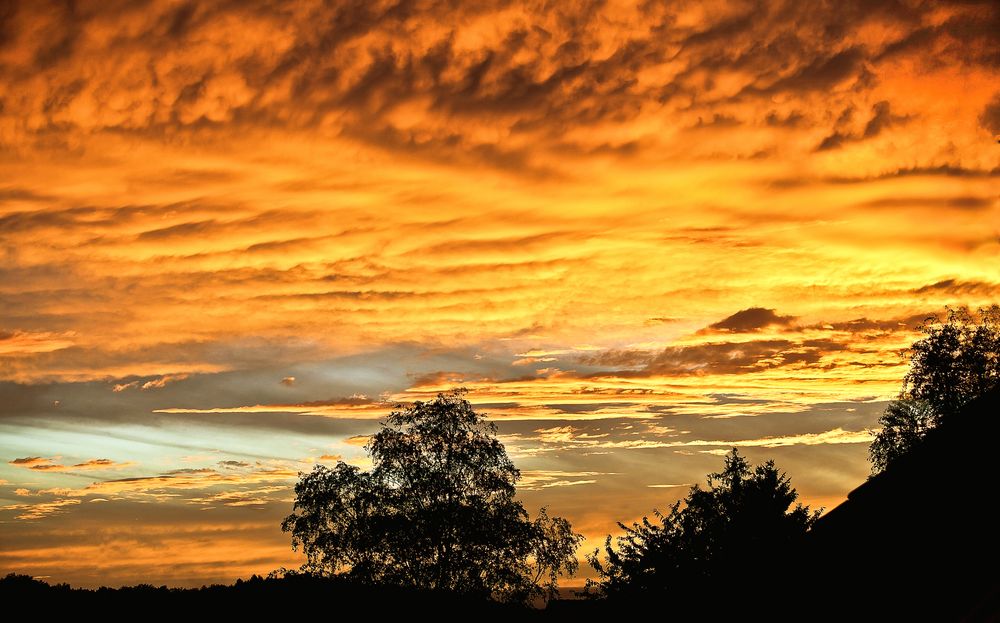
955	362
712	536
904	424
254	598
437	511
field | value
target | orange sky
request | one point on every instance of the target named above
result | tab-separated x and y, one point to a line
233	235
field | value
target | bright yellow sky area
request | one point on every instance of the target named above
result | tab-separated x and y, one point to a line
232	237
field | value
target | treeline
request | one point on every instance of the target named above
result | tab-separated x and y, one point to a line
284	596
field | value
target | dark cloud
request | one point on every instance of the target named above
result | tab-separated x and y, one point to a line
95	463
348	401
718	120
14	193
966	202
616	358
234	464
42	464
751	319
96	218
865	325
28	460
662	320
956	287
793	119
758	355
589	407
943	170
712	358
547	71
451	378
990	117
819	74
833	141
730	358
881	119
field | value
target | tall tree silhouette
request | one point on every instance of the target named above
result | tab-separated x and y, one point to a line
437	510
955	362
710	539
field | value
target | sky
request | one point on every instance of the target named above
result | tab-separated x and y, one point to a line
233	235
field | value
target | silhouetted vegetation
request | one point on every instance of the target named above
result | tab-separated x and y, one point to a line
256	598
956	362
436	511
915	542
744	517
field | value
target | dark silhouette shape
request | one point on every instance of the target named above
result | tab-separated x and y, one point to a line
957	361
919	540
710	540
436	511
904	423
254	599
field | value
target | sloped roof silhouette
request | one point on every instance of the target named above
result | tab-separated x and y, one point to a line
921	538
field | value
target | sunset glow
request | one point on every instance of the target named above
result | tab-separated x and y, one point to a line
235	235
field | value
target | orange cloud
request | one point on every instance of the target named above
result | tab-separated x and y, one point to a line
44	464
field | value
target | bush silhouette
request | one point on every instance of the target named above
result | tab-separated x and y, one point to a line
745	517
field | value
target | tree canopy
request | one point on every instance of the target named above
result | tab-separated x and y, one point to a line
955	362
437	510
714	535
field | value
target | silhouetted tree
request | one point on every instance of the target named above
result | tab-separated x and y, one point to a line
904	424
437	510
957	361
711	538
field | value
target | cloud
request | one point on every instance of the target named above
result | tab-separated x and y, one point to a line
23	342
29	461
256	497
40	510
352	70
156	383
356	407
943	171
882	119
751	319
971	203
792	120
233	464
989	119
957	287
532	480
38	463
820	73
162	486
100	464
835	436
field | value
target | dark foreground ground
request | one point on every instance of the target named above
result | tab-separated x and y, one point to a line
289	598
304	597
